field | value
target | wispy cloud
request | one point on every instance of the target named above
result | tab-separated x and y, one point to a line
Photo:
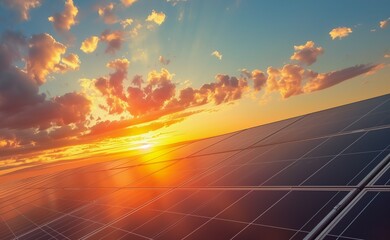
22	6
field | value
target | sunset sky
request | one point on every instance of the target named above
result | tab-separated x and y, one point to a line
80	78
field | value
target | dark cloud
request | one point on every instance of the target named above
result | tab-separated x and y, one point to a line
113	39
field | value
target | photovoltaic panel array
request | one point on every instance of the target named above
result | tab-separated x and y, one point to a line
325	175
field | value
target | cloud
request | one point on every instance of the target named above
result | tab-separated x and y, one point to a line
45	57
217	54
89	45
384	23
127	22
307	53
163	60
386	56
65	20
128	3
107	13
156	17
22	6
259	79
326	80
135	30
113	39
287	80
112	87
21	105
71	61
340	32
175	2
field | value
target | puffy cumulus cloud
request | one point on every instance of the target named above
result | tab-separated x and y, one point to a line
384	23
259	79
217	54
307	53
21	105
65	20
90	44
340	32
156	17
107	13
163	60
112	87
153	97
226	88
113	39
45	57
22	6
326	80
126	22
287	80
128	3
386	56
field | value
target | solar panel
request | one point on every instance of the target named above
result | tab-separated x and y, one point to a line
324	175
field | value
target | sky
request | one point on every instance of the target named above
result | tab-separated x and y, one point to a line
82	78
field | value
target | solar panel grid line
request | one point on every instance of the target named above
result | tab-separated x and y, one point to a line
372	110
184	215
351	202
327	139
236	221
40	228
8	227
363	180
376	172
221	166
59	217
92	233
313	216
380	174
331	216
262	214
357	216
333	158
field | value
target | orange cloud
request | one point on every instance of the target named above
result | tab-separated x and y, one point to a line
22	6
326	80
44	57
340	32
307	53
65	20
107	13
287	80
128	3
259	79
89	45
113	39
71	61
384	23
156	17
